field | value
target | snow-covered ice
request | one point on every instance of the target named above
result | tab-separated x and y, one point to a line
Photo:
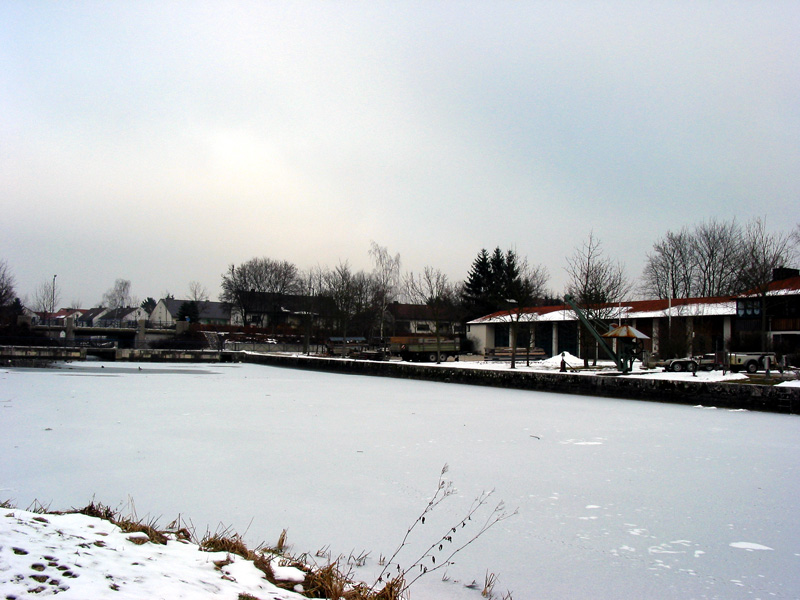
616	498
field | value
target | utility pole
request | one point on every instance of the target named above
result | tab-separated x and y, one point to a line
53	301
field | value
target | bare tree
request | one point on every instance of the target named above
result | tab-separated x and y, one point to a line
7	282
432	288
236	291
670	268
716	248
119	295
341	287
596	283
311	284
47	296
386	277
762	253
277	276
244	287
366	303
197	292
527	288
706	261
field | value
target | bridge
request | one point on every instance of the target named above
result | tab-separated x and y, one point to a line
93	338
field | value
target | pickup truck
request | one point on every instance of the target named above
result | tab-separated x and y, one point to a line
753	361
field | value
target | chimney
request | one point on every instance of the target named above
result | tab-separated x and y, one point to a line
780	273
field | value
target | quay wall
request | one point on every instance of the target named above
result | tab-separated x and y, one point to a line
23	356
720	394
729	395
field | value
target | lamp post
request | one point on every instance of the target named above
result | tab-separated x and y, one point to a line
513	325
53	301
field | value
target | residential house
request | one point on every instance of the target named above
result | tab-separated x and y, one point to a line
121	317
88	318
264	309
418	319
165	313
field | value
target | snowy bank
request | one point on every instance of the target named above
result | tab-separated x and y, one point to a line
79	556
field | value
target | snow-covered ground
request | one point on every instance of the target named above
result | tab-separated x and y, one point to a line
81	557
615	498
575	365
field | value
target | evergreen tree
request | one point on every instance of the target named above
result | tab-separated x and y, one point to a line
189	312
475	295
497	282
493	281
149	304
510	278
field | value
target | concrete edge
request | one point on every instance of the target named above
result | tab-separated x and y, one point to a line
719	394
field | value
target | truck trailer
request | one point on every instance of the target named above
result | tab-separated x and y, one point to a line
424	349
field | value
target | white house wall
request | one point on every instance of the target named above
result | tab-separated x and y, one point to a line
481	336
161	315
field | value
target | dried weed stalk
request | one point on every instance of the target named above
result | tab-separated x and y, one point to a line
440	554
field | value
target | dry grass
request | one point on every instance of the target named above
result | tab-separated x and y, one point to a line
232	543
488	586
131	526
99	511
332	583
281	547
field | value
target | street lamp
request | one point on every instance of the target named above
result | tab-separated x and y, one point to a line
53	302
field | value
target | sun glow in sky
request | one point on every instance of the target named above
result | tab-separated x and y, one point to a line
161	141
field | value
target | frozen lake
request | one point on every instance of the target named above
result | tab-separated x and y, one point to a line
616	498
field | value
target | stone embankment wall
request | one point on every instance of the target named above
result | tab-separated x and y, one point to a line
24	356
719	394
19	354
144	355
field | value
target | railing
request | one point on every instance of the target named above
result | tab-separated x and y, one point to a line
504	353
269	347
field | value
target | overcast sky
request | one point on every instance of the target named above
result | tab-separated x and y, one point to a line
161	141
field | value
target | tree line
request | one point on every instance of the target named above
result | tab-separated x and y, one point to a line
712	258
716	258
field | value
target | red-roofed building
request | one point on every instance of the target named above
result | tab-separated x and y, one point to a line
680	326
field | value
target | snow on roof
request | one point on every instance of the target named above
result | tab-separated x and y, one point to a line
782	287
636	309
